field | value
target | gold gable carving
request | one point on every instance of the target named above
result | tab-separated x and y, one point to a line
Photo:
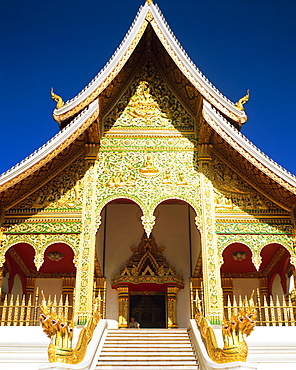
149	103
147	265
64	191
233	193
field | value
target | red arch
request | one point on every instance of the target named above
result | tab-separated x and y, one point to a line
64	265
230	265
280	267
26	254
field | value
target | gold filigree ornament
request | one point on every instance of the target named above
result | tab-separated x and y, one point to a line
234	332
60	330
57	99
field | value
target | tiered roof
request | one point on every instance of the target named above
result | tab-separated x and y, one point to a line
83	111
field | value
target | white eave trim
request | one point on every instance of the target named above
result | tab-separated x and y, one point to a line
248	145
50	145
123	47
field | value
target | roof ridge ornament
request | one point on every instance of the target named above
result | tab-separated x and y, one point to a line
57	99
149	2
242	101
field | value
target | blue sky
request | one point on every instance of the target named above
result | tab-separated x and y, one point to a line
237	44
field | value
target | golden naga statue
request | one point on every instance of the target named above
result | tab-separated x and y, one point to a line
57	99
60	331
234	332
242	101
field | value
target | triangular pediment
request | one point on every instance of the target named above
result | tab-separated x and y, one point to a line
147	264
149	107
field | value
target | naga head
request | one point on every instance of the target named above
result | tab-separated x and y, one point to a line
57	99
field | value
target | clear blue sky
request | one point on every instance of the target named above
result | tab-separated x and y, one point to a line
237	44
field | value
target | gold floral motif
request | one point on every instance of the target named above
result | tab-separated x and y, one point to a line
85	271
149	105
212	285
253	227
255	242
62	192
40	242
57	227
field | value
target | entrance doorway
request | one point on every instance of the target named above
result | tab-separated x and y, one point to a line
149	310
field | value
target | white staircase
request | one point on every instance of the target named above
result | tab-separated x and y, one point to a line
149	349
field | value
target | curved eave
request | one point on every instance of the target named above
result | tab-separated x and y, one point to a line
50	149
149	13
109	71
247	149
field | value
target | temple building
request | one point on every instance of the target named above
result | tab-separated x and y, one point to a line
149	203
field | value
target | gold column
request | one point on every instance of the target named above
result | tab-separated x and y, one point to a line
227	287
1	276
263	288
213	294
100	291
68	286
196	294
123	306
172	300
85	270
30	287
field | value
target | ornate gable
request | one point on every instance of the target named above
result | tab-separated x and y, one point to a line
147	265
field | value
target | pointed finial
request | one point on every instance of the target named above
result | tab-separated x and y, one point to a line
149	2
57	99
242	101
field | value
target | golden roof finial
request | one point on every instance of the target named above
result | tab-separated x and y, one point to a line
242	101
57	99
149	2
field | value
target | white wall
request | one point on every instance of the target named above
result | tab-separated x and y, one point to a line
17	288
50	287
277	288
245	287
123	229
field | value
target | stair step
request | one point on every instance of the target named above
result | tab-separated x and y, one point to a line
151	367
139	334
158	349
149	359
171	351
146	341
181	362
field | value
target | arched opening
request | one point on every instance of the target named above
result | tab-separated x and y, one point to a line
239	276
22	283
19	261
175	229
121	231
56	276
275	269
